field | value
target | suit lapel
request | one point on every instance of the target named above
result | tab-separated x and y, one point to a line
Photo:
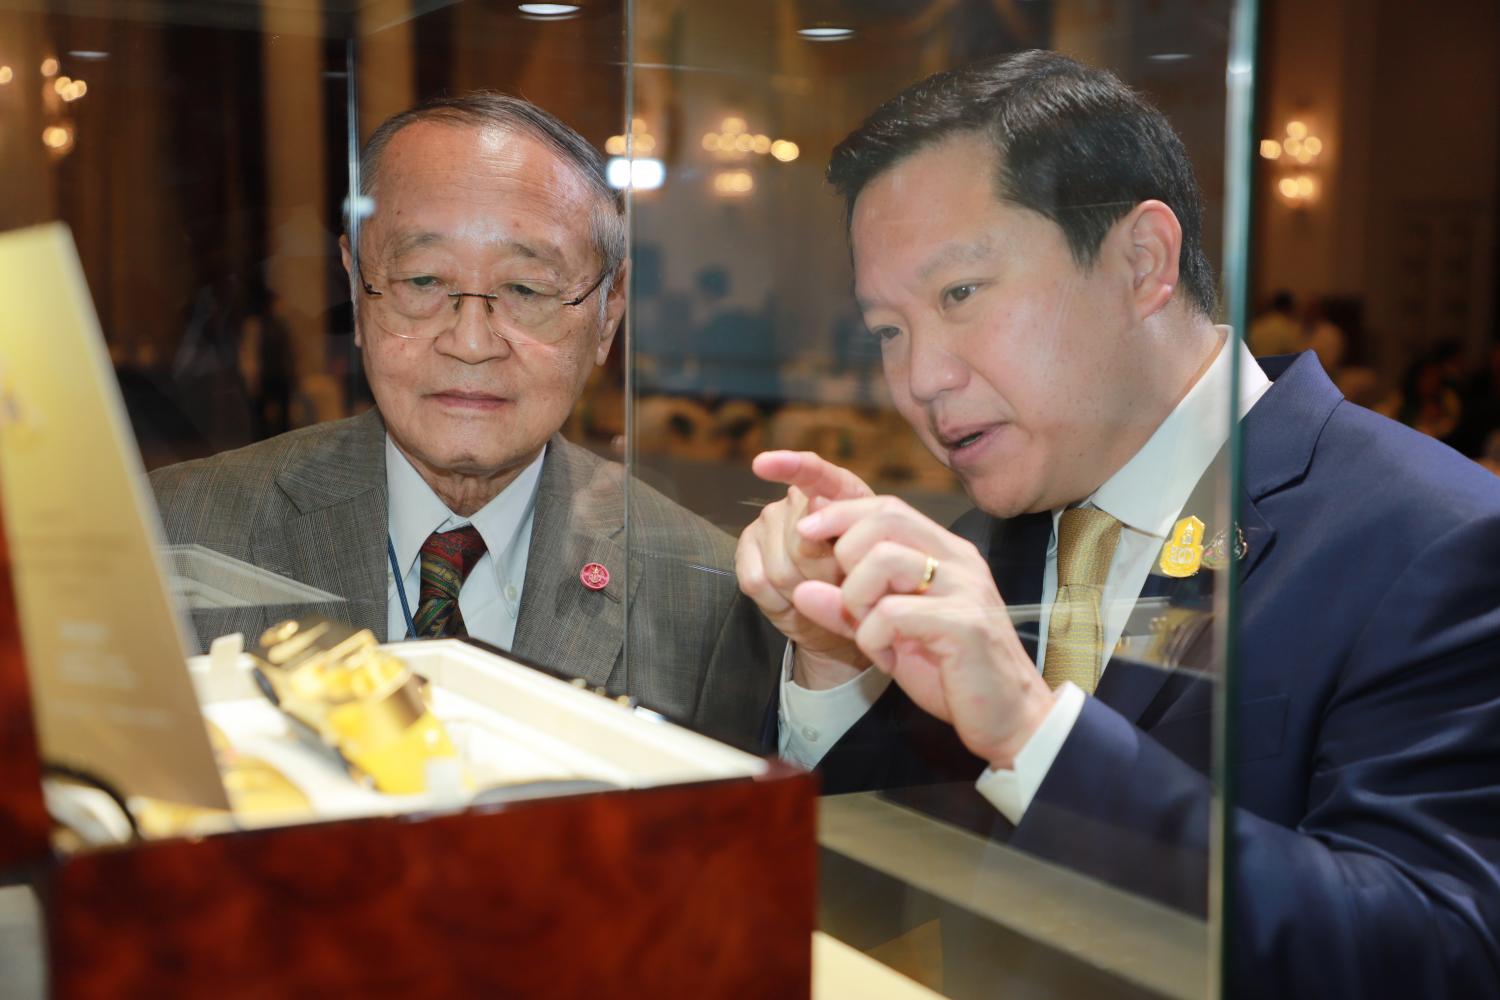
1279	435
579	519
334	541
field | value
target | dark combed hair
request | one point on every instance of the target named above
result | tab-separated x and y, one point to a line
1073	143
490	109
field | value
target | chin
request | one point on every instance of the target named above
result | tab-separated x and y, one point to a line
459	458
999	500
482	466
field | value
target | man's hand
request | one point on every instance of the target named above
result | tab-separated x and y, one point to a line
952	648
774	558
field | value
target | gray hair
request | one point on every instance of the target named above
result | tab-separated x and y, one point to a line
490	109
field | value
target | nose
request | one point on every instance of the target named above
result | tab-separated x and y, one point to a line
932	366
469	337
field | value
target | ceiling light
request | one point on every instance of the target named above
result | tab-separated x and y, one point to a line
93	54
549	11
825	34
1170	56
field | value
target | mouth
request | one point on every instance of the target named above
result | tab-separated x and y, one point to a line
964	442
956	438
468	400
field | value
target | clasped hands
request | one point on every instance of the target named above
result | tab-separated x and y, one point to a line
838	571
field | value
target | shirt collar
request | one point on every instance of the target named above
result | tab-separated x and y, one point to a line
1148	492
416	511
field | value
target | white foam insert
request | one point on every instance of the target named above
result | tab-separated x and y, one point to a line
509	723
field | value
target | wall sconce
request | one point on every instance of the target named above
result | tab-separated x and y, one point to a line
641	142
733	183
1296	155
60	133
734	142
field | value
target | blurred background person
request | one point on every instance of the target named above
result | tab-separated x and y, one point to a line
1276	331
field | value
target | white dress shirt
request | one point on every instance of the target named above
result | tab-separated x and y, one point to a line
490	599
1146	495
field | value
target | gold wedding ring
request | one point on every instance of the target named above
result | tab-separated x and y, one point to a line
928	572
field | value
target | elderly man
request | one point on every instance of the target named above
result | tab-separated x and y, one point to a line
489	279
1027	250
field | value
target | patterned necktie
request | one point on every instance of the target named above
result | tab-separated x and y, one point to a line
447	559
1086	540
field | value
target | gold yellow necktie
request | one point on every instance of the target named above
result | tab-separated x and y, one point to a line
1086	540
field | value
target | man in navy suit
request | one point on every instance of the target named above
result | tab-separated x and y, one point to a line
1026	238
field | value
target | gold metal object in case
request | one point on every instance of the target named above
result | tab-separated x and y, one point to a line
359	699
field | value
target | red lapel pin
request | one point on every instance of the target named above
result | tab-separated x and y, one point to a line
594	576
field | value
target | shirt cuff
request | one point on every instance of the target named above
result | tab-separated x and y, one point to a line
810	722
1011	791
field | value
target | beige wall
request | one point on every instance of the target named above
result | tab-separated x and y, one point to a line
294	151
1407	101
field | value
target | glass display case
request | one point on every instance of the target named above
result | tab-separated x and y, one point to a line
793	251
571	331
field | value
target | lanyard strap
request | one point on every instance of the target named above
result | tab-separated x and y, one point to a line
411	627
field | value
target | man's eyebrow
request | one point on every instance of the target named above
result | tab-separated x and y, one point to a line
407	242
973	252
422	239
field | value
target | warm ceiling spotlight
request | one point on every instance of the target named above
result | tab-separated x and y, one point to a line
49	66
1270	149
6	75
615	145
826	34
549	11
784	150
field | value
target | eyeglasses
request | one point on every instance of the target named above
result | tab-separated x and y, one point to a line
520	310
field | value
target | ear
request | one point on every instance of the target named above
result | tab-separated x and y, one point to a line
614	311
1154	238
347	256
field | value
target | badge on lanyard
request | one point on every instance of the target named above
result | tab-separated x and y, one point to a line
1183	553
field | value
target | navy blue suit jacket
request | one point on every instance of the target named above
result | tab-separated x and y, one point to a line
1366	758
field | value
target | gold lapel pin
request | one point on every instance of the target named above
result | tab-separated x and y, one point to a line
1183	553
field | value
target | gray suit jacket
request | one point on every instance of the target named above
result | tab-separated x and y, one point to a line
312	505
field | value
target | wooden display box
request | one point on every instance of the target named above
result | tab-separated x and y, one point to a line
698	885
703	889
